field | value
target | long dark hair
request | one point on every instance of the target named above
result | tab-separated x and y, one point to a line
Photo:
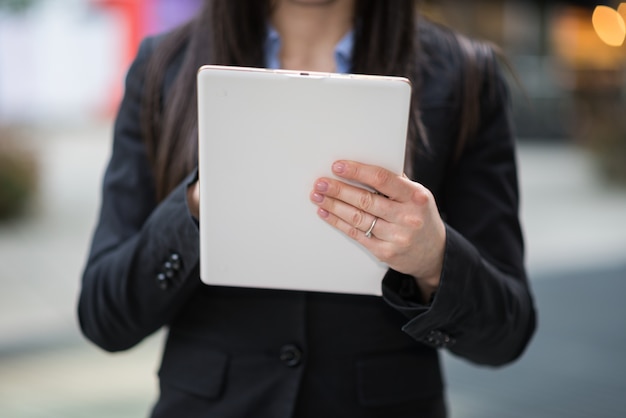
232	32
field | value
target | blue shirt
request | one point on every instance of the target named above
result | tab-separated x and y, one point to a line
343	51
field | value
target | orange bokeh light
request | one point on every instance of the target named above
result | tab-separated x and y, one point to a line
609	25
577	45
622	11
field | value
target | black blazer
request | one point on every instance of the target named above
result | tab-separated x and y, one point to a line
235	352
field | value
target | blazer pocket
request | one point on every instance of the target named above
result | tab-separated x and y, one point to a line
191	367
390	378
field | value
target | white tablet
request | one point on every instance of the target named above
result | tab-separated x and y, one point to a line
265	136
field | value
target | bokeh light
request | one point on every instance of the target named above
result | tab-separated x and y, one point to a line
609	25
622	11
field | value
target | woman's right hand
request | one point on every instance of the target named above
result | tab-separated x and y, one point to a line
193	199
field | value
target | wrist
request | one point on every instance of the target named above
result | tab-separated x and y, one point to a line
428	281
428	288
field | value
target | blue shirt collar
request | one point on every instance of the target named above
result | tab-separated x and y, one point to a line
343	51
272	48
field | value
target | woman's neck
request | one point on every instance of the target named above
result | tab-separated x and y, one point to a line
309	31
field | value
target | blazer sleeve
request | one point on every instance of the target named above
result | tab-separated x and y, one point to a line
483	309
143	262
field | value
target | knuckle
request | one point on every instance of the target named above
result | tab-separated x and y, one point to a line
421	196
381	177
353	233
334	189
413	220
358	218
366	201
333	221
330	204
387	254
353	170
403	241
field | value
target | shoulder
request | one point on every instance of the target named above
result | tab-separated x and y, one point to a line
164	48
148	46
450	62
158	61
145	53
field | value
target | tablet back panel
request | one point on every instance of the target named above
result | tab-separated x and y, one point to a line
264	138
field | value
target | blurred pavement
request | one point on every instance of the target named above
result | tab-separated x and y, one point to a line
576	245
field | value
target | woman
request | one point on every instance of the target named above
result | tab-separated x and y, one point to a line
449	231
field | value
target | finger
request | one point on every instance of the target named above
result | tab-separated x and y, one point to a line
359	199
371	243
350	215
384	181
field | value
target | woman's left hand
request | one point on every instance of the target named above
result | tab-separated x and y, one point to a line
408	234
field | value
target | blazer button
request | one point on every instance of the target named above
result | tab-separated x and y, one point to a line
162	281
175	261
290	355
168	270
440	339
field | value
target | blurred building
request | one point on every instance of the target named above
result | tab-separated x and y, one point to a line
572	81
63	61
66	60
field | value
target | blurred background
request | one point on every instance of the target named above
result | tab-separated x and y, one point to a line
62	64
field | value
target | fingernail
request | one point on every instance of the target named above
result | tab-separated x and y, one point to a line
321	186
316	197
323	213
339	167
